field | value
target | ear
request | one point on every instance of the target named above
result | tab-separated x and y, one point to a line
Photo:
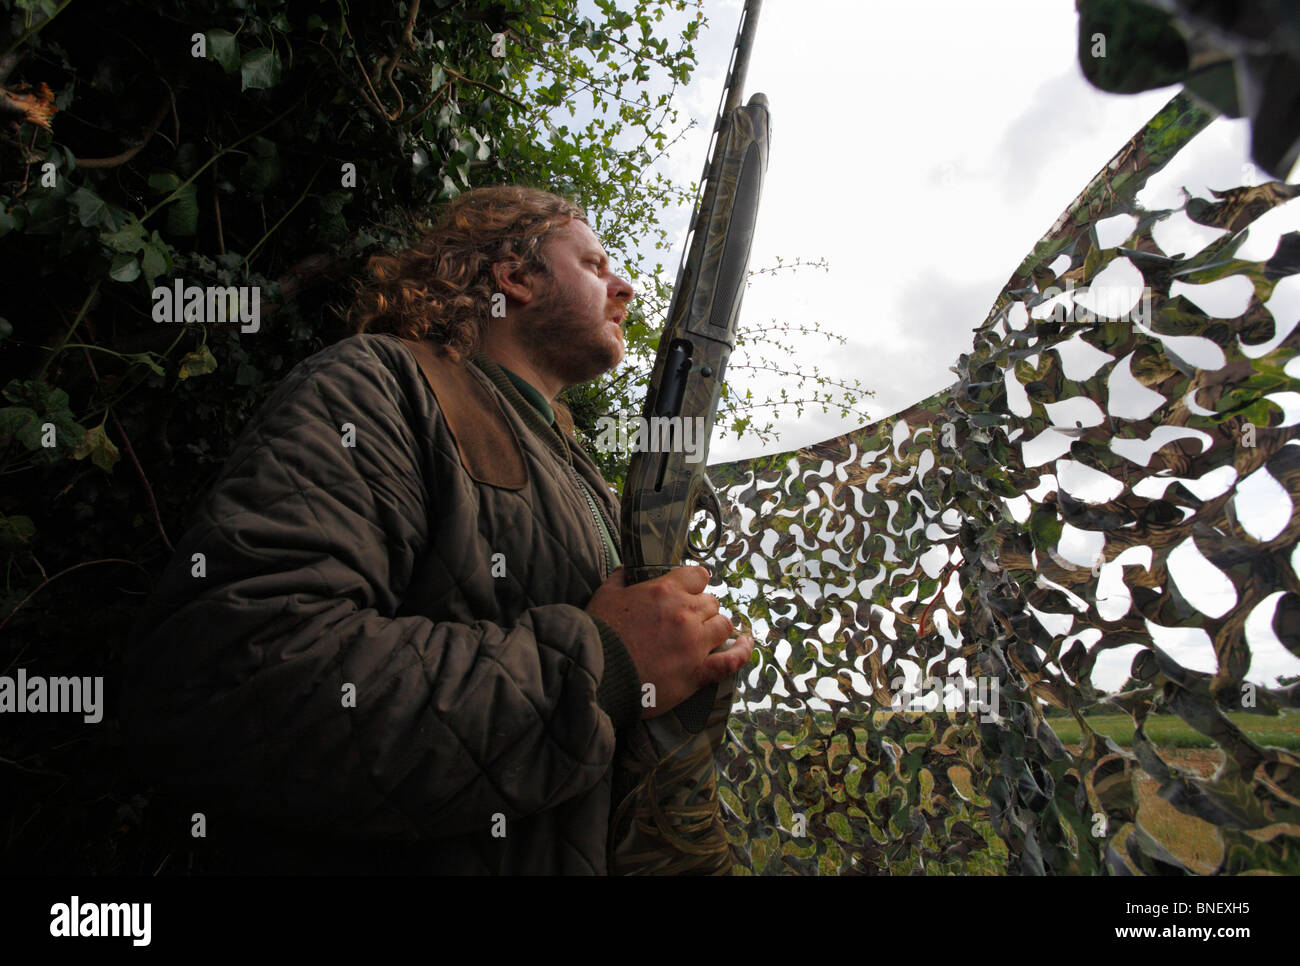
515	283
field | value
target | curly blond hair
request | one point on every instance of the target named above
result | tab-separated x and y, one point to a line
441	289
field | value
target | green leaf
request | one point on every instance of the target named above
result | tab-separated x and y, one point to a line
262	168
183	215
91	209
197	363
125	268
224	49
15	531
260	69
22	424
103	453
129	238
154	261
164	182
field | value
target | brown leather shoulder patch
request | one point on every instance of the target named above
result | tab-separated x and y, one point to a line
489	449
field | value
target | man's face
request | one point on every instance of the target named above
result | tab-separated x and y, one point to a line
572	329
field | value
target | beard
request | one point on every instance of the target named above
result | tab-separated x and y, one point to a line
560	340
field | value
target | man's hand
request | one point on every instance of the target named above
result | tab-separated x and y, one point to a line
670	626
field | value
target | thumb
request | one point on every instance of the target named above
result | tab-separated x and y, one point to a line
722	664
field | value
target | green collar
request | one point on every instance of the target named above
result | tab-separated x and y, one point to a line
528	402
529	392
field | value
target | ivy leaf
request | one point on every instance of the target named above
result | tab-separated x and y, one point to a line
103	453
164	182
262	169
15	531
91	209
128	238
22	424
39	403
154	260
125	268
479	146
260	69
224	49
197	363
183	215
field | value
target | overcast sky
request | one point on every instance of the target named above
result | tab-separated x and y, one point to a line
922	149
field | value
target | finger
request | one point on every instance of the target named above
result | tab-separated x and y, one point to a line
717	629
722	664
618	578
708	606
692	578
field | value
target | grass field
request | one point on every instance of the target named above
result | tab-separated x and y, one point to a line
1168	731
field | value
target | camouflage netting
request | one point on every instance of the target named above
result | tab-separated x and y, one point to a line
918	544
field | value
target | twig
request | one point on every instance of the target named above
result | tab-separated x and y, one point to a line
33	771
407	42
71	329
34	29
373	100
129	153
130	451
301	198
487	87
61	573
175	192
216	211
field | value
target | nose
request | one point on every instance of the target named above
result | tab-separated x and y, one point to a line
621	288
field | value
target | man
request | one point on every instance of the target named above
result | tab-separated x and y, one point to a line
395	638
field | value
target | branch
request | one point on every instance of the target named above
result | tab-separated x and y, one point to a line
407	42
822	380
487	87
49	580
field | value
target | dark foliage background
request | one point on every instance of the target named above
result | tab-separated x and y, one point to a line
276	144
208	142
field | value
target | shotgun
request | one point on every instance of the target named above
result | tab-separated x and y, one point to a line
667	818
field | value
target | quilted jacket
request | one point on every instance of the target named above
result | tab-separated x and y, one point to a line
380	663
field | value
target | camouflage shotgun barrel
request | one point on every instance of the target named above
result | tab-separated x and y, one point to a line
667	815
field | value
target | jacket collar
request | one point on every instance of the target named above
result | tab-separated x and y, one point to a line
528	412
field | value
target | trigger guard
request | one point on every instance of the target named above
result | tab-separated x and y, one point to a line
706	499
